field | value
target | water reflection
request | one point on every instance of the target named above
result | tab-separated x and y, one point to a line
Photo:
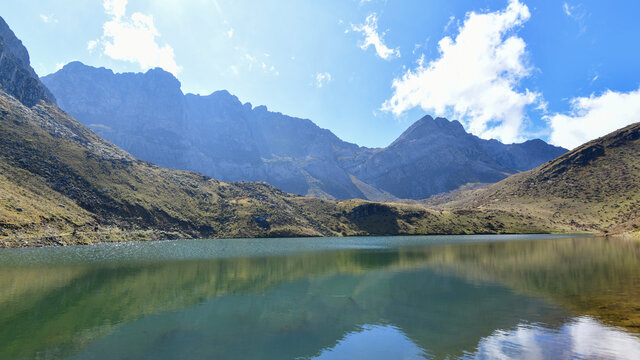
184	299
374	342
583	338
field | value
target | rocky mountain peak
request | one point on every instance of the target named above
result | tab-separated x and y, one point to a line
17	77
428	127
163	79
221	137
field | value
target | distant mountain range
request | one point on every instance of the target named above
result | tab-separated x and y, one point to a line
148	115
61	183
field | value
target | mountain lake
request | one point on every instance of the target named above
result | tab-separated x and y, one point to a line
418	297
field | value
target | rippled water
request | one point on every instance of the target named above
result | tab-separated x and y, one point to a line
484	297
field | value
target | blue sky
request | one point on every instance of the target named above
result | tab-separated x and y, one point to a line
566	72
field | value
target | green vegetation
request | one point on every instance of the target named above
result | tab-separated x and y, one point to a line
63	184
595	188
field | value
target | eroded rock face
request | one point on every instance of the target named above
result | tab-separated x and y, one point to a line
16	75
217	135
437	155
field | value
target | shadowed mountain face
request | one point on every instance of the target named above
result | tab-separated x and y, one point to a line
149	116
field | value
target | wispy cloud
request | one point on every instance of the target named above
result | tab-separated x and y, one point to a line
452	20
322	79
577	13
476	78
372	38
133	39
594	116
229	30
260	62
49	19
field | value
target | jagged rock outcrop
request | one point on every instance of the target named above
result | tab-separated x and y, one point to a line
16	74
149	116
217	135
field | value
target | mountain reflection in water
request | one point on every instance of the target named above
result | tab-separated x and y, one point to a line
396	297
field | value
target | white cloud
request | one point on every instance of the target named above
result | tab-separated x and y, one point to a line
372	38
48	19
476	77
115	8
594	116
133	39
229	33
567	9
91	45
322	79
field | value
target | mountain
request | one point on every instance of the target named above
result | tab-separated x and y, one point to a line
61	183
148	115
594	187
437	155
16	75
217	135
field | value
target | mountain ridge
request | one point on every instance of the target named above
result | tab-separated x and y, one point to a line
61	183
218	135
16	74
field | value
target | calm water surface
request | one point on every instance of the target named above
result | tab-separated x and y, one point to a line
470	297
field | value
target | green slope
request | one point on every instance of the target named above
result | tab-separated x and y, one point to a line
64	184
595	187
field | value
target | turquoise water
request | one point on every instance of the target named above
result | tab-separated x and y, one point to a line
507	296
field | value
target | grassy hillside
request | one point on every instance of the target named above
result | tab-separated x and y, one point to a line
595	187
63	184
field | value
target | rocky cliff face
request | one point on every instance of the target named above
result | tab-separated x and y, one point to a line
149	116
16	74
437	155
217	135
